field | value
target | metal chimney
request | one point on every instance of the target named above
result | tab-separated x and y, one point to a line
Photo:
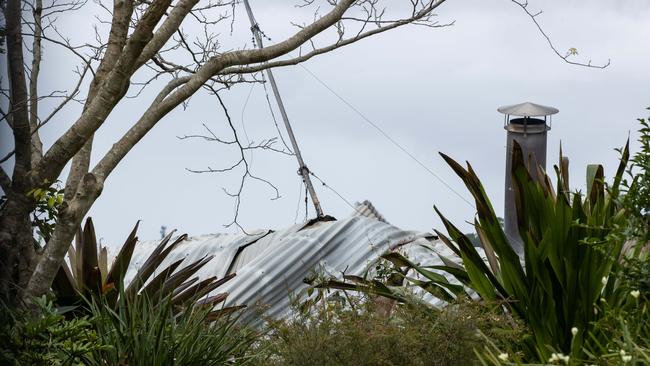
528	128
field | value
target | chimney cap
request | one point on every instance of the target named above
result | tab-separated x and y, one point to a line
527	109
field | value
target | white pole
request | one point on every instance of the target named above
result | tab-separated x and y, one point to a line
302	170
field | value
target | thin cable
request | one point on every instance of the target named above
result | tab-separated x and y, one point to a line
243	125
275	121
300	184
354	207
376	127
333	190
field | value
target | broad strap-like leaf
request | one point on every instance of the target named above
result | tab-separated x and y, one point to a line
90	262
356	279
460	274
154	286
213	300
373	288
488	250
77	269
177	278
218	314
486	215
448	242
595	183
103	263
618	178
433	277
436	290
397	259
484	209
562	172
153	261
200	289
545	182
483	280
64	284
72	257
123	258
185	285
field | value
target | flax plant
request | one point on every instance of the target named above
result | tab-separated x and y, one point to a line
89	274
571	249
153	331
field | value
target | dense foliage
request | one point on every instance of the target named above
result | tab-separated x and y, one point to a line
637	199
144	331
335	333
570	251
140	331
89	275
47	337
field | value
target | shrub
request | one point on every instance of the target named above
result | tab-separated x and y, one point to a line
571	248
144	331
89	273
621	336
637	197
47	338
337	334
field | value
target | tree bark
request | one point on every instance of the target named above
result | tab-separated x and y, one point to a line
16	242
16	249
37	145
70	216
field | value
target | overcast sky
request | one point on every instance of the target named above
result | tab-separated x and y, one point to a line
430	89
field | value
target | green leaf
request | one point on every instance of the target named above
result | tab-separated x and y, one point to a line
123	258
91	278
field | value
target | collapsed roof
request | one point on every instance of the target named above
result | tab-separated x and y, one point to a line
269	265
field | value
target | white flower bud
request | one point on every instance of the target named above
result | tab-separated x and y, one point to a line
626	359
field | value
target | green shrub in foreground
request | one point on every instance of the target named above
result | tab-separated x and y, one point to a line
47	338
334	334
143	331
572	250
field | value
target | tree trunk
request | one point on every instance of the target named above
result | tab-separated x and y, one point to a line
16	241
16	249
70	216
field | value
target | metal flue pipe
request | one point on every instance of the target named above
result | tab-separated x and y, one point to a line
302	170
529	130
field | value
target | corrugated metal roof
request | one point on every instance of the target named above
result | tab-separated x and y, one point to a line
270	265
367	209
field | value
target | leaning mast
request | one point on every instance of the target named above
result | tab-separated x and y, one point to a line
302	170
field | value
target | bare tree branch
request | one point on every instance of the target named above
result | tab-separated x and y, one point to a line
111	92
37	145
319	51
18	89
72	49
241	162
571	52
137	132
122	11
166	30
69	97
